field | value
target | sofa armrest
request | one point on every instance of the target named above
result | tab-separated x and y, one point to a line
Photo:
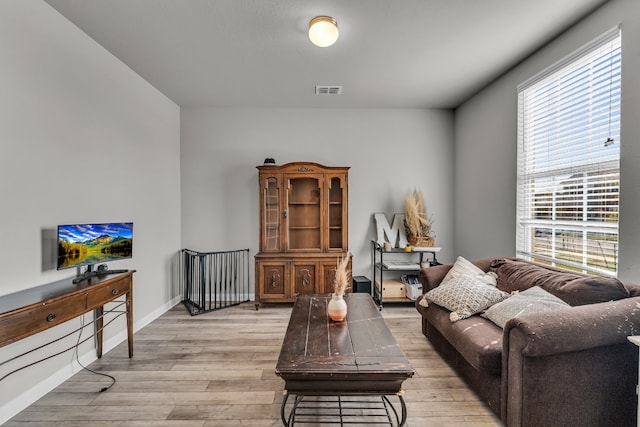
581	353
430	277
577	328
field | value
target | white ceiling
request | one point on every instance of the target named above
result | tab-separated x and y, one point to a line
256	53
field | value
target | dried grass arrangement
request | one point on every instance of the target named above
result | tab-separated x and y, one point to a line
417	224
343	277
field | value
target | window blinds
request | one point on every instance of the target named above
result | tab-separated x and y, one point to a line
569	160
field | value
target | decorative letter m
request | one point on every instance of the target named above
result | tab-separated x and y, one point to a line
394	233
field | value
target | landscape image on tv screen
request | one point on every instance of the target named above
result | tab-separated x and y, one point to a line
84	244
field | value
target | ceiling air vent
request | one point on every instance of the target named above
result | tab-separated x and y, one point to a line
328	90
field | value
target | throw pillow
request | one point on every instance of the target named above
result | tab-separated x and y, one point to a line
465	296
462	266
532	300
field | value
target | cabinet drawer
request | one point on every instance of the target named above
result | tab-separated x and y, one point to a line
100	296
38	318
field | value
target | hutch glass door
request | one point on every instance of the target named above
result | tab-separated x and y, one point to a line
303	213
271	212
335	213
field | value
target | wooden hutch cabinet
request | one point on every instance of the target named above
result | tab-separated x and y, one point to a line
303	229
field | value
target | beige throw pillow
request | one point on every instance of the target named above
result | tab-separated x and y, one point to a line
465	296
532	300
462	266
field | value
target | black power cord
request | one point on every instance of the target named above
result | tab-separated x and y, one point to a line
113	379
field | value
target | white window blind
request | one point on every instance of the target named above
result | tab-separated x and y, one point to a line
569	160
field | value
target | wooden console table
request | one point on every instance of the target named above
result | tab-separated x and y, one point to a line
34	310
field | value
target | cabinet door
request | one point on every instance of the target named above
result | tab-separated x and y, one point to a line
272	280
328	274
304	278
336	187
303	215
270	223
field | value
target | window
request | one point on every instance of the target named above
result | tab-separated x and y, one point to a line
569	160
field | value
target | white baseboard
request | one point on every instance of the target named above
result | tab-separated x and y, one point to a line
23	401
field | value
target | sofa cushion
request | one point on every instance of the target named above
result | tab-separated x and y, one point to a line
477	339
465	296
573	288
532	300
517	275
464	267
634	290
592	290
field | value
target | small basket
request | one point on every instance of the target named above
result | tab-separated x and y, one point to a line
421	242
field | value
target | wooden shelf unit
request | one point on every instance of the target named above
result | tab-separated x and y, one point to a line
303	229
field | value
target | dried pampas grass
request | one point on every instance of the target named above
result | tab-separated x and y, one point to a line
417	223
343	276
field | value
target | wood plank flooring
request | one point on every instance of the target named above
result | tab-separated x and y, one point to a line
217	369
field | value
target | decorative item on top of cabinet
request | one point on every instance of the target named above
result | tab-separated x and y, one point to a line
303	229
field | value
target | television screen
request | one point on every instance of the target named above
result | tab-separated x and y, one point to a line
88	244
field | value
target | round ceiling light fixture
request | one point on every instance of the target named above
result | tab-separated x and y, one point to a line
323	31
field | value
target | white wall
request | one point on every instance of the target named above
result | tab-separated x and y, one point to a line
485	145
82	139
390	153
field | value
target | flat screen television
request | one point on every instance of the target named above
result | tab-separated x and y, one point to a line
90	244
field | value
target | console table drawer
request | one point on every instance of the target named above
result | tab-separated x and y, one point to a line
100	296
40	317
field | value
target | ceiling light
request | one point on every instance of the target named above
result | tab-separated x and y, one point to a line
323	31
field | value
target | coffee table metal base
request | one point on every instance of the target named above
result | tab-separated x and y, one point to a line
349	409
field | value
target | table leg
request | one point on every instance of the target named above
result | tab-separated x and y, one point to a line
129	308
98	325
403	405
284	403
401	419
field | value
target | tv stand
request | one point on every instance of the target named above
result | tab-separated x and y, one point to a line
33	310
92	273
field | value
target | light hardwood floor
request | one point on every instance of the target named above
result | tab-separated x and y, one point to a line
217	369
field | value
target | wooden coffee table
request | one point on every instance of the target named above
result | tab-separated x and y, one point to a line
355	358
